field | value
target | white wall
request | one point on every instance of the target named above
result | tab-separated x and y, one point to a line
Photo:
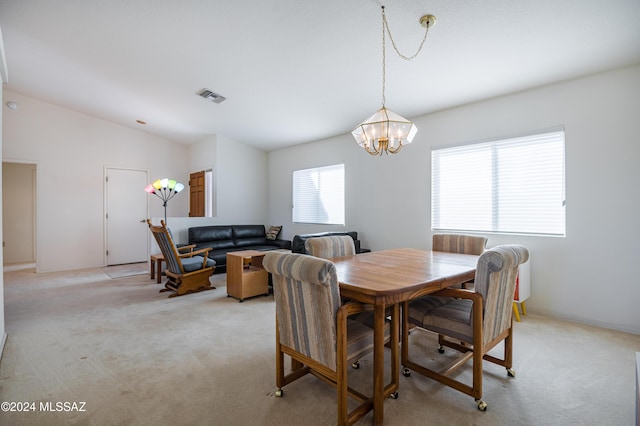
71	151
3	334
241	187
242	184
3	80
590	275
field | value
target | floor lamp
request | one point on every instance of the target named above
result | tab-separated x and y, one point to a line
165	189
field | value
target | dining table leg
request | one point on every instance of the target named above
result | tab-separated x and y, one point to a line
378	363
395	351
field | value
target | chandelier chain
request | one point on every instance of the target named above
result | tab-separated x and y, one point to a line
385	24
385	28
383	57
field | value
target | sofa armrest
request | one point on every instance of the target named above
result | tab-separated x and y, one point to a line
297	244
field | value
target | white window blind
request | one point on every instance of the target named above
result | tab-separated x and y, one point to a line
507	186
318	195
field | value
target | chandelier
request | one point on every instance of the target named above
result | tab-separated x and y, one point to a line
385	131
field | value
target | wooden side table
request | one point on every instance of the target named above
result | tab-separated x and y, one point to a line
156	259
245	275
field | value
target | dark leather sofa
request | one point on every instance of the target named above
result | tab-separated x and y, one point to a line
226	238
297	245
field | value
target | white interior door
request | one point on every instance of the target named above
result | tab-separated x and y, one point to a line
126	208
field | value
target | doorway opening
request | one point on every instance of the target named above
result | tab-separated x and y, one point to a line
202	194
19	207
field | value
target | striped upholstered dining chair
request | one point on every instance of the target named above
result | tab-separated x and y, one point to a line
314	329
333	246
451	243
472	321
330	246
459	243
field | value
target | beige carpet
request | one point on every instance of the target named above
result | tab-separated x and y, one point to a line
136	357
126	270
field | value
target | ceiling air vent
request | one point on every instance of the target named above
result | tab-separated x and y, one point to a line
211	96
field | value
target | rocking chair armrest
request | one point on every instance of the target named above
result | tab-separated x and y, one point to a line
203	251
190	247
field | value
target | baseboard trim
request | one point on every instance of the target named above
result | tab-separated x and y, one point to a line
18	267
4	340
638	388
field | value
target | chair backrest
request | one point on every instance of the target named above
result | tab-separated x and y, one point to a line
330	246
307	299
495	279
458	243
167	247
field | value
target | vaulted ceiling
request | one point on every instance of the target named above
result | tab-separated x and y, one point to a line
297	71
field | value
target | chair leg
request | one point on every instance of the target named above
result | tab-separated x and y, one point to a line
477	378
343	393
279	363
508	350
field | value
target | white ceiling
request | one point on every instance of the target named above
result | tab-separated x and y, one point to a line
295	71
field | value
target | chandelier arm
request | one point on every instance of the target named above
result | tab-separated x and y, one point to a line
385	24
372	152
396	150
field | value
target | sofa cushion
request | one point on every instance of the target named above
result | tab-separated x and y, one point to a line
249	235
195	263
248	231
220	257
216	237
245	242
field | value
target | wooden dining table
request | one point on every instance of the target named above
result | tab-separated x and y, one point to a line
387	278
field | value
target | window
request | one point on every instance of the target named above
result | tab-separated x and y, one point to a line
506	186
318	195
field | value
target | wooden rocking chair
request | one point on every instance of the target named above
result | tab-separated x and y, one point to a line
186	272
